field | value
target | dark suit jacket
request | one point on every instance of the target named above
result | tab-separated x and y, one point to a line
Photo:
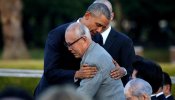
170	98
160	97
153	98
59	64
121	48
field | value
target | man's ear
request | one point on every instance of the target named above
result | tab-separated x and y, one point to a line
112	16
145	97
87	15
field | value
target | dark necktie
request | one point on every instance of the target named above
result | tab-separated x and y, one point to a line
98	39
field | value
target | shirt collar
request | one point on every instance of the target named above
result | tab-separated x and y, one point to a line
105	34
78	20
168	95
158	94
153	95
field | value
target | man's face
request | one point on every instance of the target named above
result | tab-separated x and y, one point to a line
134	73
96	24
75	45
129	96
166	89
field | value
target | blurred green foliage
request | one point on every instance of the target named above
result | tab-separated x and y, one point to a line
149	9
40	16
145	17
28	84
37	63
169	68
157	54
37	53
22	64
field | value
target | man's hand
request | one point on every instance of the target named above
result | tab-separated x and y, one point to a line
118	72
86	71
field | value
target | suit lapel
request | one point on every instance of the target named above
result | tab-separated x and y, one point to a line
110	40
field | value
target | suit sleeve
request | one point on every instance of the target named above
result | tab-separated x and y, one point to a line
127	55
54	68
91	86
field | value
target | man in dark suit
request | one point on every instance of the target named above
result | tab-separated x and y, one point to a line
119	46
167	84
60	66
152	73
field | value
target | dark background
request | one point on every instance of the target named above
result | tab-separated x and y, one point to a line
144	16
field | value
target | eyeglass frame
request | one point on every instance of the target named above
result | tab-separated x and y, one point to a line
70	44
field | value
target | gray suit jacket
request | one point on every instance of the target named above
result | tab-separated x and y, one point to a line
102	86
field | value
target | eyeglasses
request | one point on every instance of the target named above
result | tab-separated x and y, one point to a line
70	44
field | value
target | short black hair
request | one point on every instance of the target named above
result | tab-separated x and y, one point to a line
98	9
166	79
150	72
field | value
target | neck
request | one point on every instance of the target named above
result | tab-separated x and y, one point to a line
82	21
87	46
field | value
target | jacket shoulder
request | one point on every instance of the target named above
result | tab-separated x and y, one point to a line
120	36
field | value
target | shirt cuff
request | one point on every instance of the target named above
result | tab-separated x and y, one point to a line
125	71
75	80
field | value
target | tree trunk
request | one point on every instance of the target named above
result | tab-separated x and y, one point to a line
14	46
118	14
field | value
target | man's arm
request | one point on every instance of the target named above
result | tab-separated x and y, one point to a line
55	68
90	86
118	72
86	71
59	64
127	55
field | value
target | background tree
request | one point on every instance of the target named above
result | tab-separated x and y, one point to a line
147	14
40	16
14	46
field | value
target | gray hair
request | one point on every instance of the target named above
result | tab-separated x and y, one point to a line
67	92
98	9
79	29
106	2
138	87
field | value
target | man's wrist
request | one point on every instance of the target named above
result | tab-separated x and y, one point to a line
75	77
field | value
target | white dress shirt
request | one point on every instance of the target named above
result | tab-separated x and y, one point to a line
105	34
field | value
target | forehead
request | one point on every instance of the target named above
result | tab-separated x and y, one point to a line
102	20
70	36
128	94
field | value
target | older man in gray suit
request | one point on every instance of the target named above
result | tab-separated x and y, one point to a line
101	86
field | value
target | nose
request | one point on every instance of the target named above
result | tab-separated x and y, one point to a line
99	29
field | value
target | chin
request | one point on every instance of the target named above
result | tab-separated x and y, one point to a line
76	56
